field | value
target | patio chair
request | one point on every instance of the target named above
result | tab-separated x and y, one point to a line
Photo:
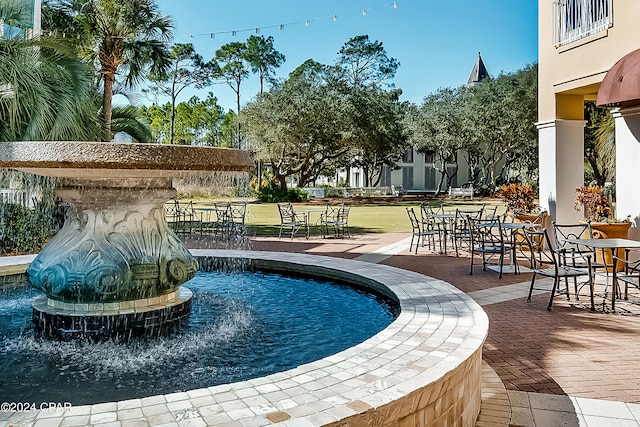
558	257
487	240
489	212
328	219
233	224
439	222
336	218
630	274
424	230
342	226
575	255
290	219
537	241
218	218
172	215
460	231
184	218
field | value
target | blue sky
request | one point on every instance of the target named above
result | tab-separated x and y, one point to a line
435	41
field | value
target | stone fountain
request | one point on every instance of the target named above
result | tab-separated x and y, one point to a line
115	269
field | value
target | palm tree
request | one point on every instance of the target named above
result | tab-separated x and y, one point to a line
46	92
599	144
125	38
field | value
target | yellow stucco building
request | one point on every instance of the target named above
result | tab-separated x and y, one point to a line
579	43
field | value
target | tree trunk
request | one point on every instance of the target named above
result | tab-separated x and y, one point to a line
107	106
238	116
172	131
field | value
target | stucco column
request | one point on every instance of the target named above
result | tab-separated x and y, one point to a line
561	167
37	18
627	124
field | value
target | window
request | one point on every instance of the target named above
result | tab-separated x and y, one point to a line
407	157
385	176
429	178
451	170
429	157
407	177
576	19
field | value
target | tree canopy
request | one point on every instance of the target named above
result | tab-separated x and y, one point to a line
365	63
490	125
296	127
186	69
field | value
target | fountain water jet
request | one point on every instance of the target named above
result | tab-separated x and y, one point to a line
115	268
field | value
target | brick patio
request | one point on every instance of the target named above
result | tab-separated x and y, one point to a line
569	350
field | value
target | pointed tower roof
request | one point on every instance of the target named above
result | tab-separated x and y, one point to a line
478	72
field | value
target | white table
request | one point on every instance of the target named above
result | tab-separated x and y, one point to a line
613	245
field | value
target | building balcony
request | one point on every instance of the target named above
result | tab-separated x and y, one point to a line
577	19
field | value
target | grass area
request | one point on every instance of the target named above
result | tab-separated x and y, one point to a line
263	219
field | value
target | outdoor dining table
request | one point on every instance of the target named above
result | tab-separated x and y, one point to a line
513	228
613	245
307	213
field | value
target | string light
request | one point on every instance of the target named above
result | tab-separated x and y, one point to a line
257	30
306	22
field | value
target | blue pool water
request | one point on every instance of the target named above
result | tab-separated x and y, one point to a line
242	326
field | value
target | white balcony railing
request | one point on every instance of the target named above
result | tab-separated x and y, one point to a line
576	19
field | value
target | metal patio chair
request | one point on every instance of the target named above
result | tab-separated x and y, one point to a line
290	219
569	261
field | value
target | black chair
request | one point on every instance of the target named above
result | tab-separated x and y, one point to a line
290	219
489	212
335	218
172	215
537	240
234	224
183	218
439	222
576	255
630	274
487	240
421	231
460	232
342	225
564	263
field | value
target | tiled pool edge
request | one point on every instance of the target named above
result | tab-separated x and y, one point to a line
432	352
425	368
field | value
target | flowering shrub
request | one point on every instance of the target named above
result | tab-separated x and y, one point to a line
518	197
593	204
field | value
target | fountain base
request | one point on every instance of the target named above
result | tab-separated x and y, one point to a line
119	320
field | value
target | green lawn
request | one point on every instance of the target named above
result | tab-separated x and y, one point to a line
263	219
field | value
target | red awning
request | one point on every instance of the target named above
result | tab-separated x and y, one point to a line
621	84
